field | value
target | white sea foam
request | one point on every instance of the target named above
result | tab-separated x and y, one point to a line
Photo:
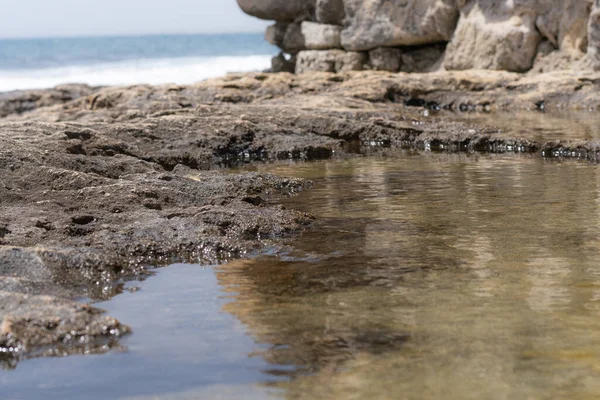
173	70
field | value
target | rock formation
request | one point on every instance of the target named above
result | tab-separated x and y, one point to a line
429	35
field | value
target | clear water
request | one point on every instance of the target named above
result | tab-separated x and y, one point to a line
41	63
427	276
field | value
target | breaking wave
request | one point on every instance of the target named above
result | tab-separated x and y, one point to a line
183	70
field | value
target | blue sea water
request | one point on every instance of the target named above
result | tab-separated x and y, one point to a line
155	59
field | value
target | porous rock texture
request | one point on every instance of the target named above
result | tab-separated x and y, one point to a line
102	184
375	23
330	61
511	35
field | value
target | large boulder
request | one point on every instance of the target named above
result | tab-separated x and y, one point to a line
375	23
294	37
330	12
321	36
565	23
330	61
594	36
278	10
494	34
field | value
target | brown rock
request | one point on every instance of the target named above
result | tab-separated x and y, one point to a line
376	23
278	10
385	59
330	12
494	35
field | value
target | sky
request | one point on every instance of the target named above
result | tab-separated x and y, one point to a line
67	18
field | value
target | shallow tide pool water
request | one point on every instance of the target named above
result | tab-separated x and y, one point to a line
426	276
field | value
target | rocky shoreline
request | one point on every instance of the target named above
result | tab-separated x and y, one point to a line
431	35
99	184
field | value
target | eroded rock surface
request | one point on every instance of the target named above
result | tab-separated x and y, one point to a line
100	187
494	36
374	23
479	34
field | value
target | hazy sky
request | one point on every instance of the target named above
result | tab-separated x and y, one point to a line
43	18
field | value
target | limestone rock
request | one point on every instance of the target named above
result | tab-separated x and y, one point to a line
321	36
287	36
564	23
494	35
330	12
385	59
422	59
293	37
594	36
330	61
278	10
375	23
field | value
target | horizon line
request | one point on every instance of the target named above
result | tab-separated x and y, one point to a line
127	35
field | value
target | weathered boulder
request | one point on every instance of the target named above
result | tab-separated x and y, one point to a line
330	12
321	36
594	36
493	34
385	59
293	37
330	61
287	36
375	23
278	10
564	23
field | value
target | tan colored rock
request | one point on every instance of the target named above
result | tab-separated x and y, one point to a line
329	61
375	23
278	10
493	35
385	59
565	23
287	36
330	12
594	36
321	36
293	37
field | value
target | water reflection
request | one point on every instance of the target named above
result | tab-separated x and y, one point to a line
439	276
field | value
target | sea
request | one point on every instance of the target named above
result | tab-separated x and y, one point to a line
126	60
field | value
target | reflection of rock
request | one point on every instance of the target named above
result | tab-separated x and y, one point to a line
321	330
